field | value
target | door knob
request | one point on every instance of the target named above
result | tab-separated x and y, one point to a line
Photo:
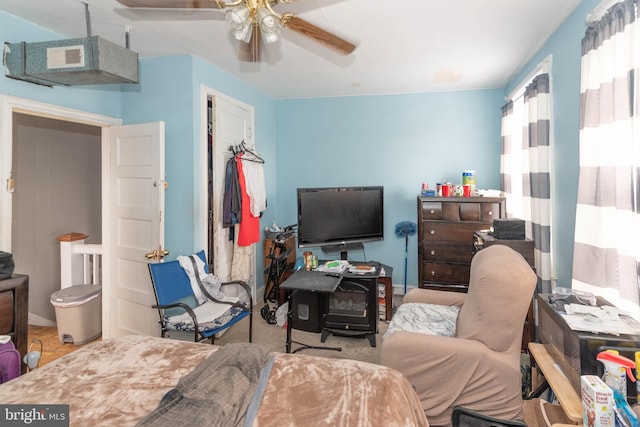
156	254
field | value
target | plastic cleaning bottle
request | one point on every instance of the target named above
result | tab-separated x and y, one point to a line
624	414
616	369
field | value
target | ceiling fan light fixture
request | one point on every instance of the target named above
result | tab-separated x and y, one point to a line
269	25
270	37
237	17
243	15
244	33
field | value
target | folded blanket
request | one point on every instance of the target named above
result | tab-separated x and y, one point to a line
187	266
217	393
430	319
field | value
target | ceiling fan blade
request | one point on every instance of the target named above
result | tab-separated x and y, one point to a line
308	29
172	4
250	52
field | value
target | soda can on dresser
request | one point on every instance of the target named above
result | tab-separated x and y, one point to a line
469	178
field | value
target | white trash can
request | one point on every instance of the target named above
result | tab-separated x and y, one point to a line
78	313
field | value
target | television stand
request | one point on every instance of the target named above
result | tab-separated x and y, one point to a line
343	248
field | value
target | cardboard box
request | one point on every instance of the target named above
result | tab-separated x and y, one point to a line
597	402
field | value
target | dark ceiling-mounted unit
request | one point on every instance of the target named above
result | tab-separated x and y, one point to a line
83	61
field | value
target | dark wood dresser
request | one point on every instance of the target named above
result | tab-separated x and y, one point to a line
14	311
445	235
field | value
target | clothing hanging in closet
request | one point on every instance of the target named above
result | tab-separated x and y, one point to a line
244	196
254	180
231	214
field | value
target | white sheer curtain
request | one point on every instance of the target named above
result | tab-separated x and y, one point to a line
525	169
607	234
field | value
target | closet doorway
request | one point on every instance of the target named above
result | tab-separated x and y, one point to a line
228	123
40	167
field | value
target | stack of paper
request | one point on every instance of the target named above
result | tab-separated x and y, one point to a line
334	266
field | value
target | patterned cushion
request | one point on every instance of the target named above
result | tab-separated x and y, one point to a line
430	319
181	323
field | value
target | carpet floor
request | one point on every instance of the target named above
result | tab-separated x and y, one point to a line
274	338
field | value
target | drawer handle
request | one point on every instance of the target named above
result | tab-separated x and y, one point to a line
433	274
432	211
433	231
433	253
490	213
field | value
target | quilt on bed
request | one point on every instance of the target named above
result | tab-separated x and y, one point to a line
121	381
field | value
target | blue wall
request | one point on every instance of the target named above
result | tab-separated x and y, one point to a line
564	47
397	141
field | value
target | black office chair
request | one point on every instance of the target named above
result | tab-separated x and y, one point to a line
464	417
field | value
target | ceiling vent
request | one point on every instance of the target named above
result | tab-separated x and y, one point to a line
84	61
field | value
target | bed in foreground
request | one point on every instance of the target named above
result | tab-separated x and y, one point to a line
122	382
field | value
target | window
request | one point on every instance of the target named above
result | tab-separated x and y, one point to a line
525	165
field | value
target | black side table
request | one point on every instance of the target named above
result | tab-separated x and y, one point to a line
314	281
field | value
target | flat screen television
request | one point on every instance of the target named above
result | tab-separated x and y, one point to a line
338	217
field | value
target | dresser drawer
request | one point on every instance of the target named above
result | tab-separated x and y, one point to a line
440	231
432	210
452	252
466	211
456	211
445	272
489	211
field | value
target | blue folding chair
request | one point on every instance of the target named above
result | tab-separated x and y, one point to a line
174	297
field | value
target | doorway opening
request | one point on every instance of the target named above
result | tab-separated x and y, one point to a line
227	122
56	189
51	120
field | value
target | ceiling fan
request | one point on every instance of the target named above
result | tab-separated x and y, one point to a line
253	22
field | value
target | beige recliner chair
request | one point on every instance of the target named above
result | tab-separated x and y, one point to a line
478	366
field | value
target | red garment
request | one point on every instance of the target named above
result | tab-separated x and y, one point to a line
250	225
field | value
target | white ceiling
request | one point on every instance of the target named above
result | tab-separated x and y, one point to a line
403	46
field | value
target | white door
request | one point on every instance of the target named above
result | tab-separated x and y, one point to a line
233	124
136	212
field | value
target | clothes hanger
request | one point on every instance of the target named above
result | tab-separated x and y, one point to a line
256	158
